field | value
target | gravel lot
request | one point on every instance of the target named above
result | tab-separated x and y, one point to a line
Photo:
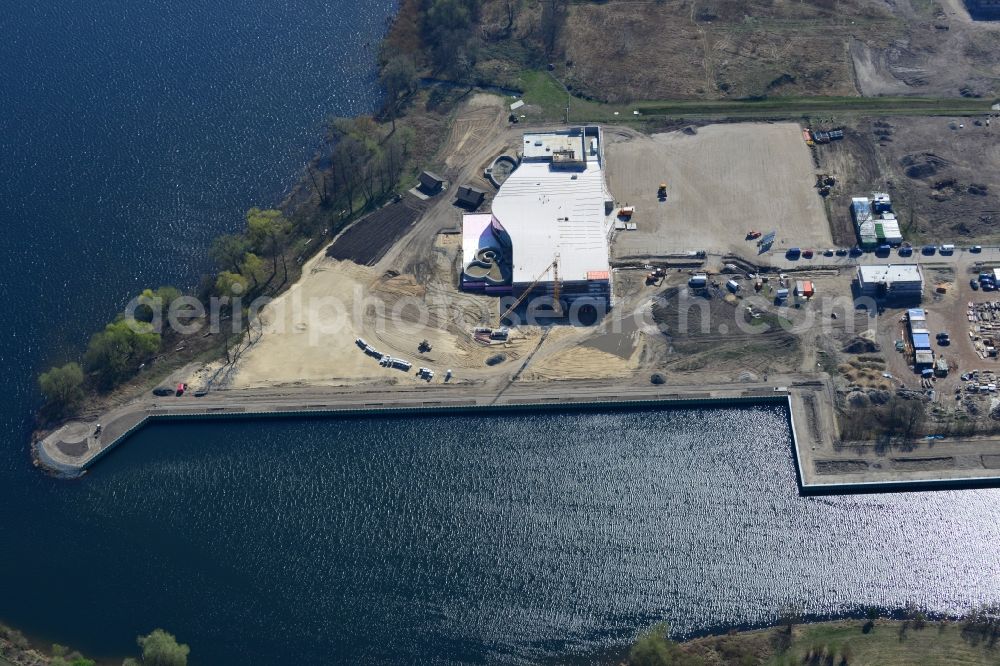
722	181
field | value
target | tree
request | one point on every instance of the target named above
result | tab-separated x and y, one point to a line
62	388
399	79
115	353
347	160
160	649
231	284
155	303
268	231
227	251
553	18
253	268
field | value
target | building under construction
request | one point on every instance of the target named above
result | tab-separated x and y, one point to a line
984	10
548	233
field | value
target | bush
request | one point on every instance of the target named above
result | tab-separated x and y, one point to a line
116	353
62	388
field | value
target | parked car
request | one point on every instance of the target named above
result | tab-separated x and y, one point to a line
807	254
928	249
947	248
841	252
856	251
827	253
906	251
793	253
976	248
974	285
882	251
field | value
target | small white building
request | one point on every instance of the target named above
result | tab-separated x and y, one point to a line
891	281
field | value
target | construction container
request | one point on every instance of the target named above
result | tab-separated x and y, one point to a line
698	281
733	286
881	202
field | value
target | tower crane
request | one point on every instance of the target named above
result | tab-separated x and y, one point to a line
556	288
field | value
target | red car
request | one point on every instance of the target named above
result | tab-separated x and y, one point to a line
807	254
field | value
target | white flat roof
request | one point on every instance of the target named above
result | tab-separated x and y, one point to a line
540	146
890	273
552	211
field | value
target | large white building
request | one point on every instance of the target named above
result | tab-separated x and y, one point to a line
551	220
902	281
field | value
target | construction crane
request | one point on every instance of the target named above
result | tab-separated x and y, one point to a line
556	306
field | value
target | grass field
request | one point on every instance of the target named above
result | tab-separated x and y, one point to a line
886	643
890	645
549	99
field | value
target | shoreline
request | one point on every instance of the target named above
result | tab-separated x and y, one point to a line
72	450
60	452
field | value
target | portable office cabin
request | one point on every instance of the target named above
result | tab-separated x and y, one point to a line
881	202
430	182
470	197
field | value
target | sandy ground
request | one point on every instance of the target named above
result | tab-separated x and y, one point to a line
721	182
309	332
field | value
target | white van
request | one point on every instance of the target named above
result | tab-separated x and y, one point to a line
947	248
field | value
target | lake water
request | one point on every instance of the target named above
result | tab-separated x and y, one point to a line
133	132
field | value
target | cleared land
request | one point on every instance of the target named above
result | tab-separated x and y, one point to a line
722	180
943	175
622	50
370	238
408	293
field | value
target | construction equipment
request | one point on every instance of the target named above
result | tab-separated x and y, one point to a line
661	192
753	234
626	212
556	306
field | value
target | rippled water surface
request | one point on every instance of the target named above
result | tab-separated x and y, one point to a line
130	134
489	538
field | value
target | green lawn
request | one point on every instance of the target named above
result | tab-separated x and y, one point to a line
543	91
888	645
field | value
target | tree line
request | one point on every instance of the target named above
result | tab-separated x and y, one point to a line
359	166
158	648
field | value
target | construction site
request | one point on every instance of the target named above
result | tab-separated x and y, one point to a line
713	255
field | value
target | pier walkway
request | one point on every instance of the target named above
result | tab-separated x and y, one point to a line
71	449
824	464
